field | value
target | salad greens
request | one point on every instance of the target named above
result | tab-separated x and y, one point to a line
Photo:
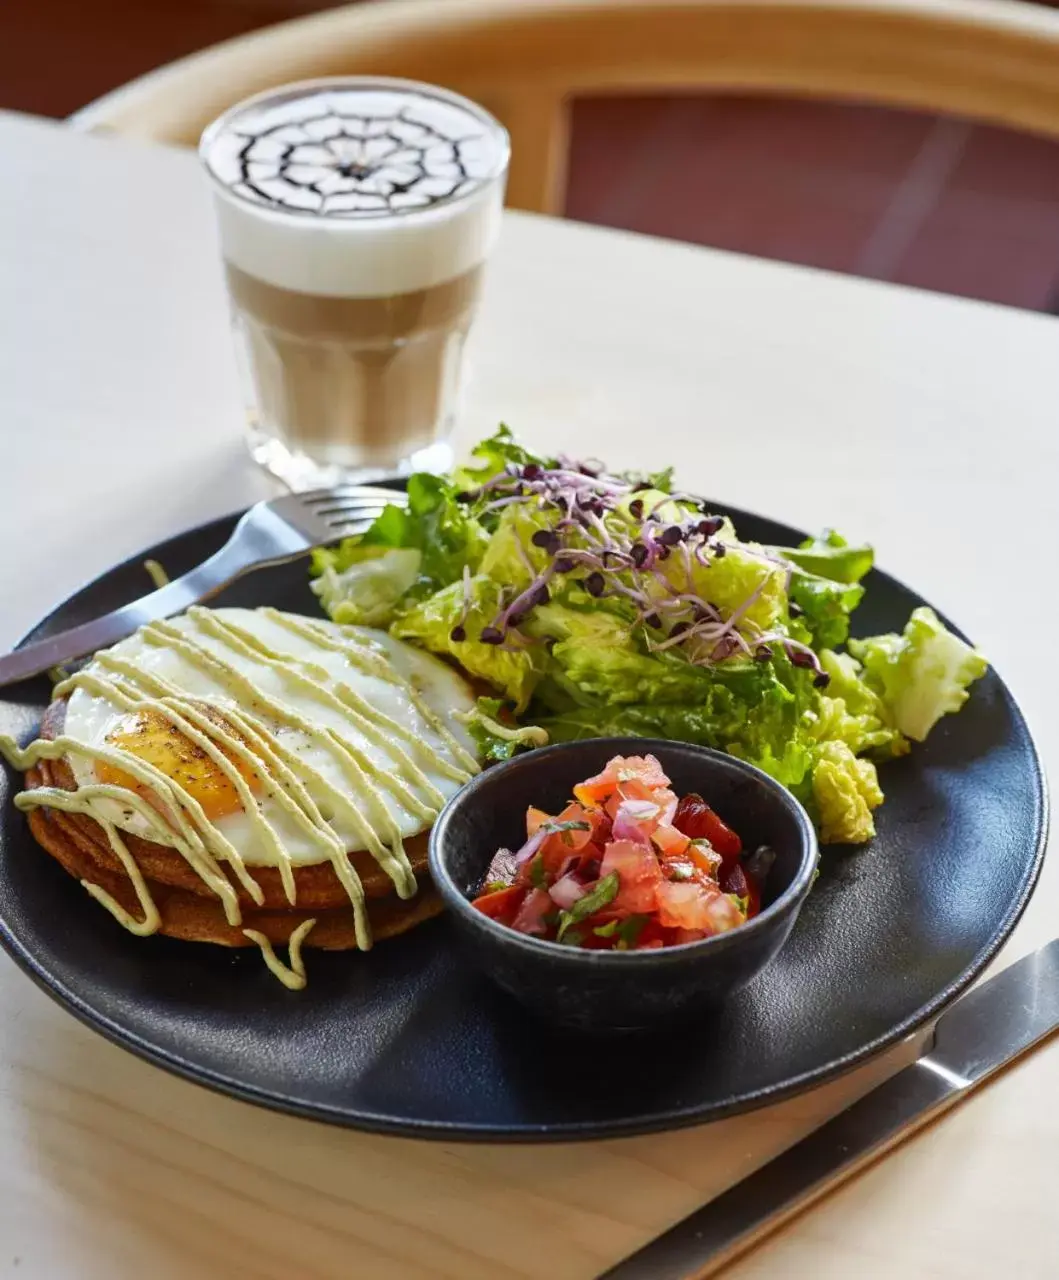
591	604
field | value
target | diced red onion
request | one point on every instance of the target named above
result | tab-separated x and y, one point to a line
629	816
531	846
565	892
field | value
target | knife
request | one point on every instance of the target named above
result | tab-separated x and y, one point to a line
983	1032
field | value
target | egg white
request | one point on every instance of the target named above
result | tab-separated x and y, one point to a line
89	719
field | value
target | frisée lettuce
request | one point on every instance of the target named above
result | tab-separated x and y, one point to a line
586	603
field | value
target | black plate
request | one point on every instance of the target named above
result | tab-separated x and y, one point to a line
409	1039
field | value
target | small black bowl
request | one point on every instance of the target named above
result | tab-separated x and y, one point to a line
615	990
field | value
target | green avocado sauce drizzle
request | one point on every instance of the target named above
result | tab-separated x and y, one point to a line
240	735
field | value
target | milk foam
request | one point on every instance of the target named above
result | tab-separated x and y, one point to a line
357	189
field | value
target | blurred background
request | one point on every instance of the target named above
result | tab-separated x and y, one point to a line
892	195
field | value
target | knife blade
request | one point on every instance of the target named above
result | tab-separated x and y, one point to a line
983	1032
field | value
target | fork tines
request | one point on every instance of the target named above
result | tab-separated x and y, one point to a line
348	504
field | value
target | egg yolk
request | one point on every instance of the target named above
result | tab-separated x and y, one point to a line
154	739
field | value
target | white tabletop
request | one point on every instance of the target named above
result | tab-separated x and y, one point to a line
924	424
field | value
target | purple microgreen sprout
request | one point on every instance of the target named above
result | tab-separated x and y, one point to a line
623	557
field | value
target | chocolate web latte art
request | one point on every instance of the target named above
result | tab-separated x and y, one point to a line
355	218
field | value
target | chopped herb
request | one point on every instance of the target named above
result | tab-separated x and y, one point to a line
605	891
494	886
629	931
743	903
536	872
572	938
564	828
606	930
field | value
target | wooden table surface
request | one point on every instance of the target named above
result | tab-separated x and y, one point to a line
925	424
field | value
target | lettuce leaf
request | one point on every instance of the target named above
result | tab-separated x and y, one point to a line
852	712
845	791
491	455
824	587
595	659
496	737
743	574
831	720
431	622
510	556
367	590
657	481
825	607
750	711
830	556
920	675
434	524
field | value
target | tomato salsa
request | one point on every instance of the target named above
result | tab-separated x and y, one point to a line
626	866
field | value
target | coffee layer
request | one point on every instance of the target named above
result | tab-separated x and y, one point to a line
353	381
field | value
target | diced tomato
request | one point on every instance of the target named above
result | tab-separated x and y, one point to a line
530	915
554	854
527	871
600	824
743	886
724	914
696	819
669	804
706	859
634	791
638	876
574	812
637	789
594	792
693	905
585	864
682	904
651	935
669	841
678	866
644	768
558	846
590	940
578	837
502	905
535	819
622	769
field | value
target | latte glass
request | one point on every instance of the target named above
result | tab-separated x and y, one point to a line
356	216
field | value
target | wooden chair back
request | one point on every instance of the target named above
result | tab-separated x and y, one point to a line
995	61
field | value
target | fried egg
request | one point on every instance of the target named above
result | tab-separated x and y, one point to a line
316	702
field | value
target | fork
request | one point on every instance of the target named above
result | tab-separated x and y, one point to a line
269	533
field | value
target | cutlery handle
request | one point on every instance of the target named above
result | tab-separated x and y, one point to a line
711	1237
200	583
